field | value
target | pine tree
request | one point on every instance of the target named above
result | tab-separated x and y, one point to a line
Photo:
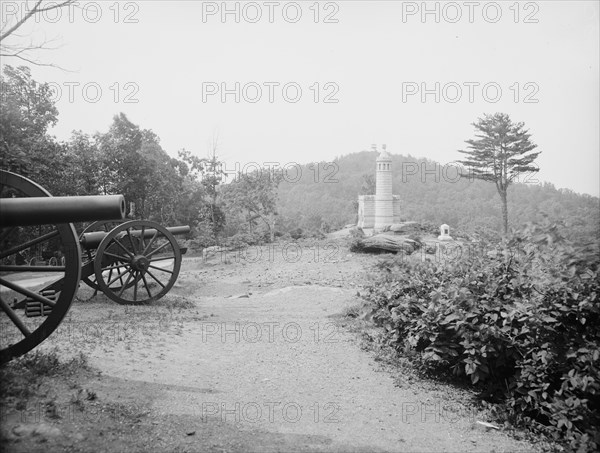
501	151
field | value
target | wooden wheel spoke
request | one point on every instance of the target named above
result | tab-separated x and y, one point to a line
14	318
119	257
133	247
150	243
118	277
158	249
162	259
160	269
146	286
126	283
155	279
26	292
123	247
29	244
116	266
135	286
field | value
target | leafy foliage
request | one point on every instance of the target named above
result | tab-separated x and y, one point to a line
254	195
26	114
126	159
517	319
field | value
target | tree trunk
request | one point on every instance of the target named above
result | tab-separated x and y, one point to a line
272	227
504	211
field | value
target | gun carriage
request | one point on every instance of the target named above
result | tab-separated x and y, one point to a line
131	262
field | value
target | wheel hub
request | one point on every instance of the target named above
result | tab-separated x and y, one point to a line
140	263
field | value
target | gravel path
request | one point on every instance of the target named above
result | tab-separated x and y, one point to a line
265	362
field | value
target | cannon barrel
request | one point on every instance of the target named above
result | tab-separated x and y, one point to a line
91	241
57	210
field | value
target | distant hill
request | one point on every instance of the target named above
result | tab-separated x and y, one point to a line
329	196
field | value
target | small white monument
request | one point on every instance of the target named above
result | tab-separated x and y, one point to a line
445	233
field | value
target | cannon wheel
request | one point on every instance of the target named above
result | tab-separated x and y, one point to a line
31	331
89	255
149	266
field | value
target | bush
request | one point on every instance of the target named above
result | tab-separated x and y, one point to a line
518	320
428	227
357	246
355	243
297	233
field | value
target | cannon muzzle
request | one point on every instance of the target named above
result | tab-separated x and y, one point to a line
56	210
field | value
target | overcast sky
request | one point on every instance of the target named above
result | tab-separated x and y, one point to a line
165	64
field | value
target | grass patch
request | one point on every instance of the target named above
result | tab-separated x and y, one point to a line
172	301
21	377
353	311
86	295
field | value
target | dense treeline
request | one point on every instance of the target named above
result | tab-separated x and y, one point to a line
129	160
126	159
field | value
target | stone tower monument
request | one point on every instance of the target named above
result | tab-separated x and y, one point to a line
384	200
383	208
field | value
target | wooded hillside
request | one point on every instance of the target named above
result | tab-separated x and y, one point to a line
330	196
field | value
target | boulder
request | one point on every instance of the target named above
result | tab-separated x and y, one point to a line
213	250
405	227
390	243
39	429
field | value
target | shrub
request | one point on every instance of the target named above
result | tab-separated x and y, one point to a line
296	233
356	245
517	319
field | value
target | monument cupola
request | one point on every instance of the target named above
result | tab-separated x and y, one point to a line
383	174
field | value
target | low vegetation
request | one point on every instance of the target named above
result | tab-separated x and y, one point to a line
21	376
516	319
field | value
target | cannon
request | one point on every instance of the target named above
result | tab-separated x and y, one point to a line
131	262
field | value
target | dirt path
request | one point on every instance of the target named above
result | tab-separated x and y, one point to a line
263	361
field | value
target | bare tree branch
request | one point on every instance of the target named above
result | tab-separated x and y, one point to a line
37	63
20	22
16	51
58	5
21	53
